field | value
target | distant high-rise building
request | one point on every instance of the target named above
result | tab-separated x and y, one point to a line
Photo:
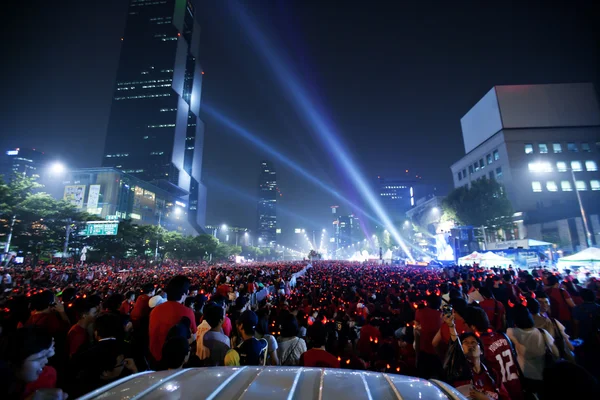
267	202
347	231
154	131
27	162
397	196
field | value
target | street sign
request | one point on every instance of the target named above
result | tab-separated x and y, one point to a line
101	228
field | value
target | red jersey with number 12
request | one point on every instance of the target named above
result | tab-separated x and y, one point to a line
499	357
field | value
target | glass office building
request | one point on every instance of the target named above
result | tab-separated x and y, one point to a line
154	130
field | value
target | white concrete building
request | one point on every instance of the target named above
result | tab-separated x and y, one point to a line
541	142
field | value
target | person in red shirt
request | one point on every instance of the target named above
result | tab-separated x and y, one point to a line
497	351
442	338
318	356
168	314
369	334
78	335
560	302
25	373
428	322
494	309
127	304
49	314
141	309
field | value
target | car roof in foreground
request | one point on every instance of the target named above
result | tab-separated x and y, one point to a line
249	383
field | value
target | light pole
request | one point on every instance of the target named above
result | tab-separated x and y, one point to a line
588	234
157	235
546	167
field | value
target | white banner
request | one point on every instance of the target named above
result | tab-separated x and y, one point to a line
93	197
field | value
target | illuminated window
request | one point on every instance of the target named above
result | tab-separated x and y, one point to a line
536	186
591	165
551	186
595	185
496	155
585	147
557	148
488	158
528	148
561	166
581	186
566	186
572	147
476	167
576	166
162	126
481	164
499	172
540	167
543	148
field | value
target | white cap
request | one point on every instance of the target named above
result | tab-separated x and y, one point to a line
156	300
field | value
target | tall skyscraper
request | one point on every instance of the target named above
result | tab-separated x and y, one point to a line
154	131
267	202
27	162
397	197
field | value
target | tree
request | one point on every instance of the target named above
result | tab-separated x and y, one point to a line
484	203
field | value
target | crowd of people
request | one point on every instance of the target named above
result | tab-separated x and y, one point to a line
491	333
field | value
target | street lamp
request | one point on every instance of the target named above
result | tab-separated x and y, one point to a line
435	210
224	227
57	168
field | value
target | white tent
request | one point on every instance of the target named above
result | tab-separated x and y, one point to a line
589	257
486	260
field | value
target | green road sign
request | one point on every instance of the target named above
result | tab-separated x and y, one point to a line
101	229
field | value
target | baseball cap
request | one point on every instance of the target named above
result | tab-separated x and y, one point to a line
155	301
248	318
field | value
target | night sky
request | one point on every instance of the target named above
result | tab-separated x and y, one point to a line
394	78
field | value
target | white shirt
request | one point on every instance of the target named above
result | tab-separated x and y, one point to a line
290	350
475	297
531	350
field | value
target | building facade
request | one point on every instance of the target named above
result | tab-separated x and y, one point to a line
267	205
110	194
27	162
396	196
154	131
542	142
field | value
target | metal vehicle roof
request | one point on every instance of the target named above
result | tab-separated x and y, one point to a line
260	383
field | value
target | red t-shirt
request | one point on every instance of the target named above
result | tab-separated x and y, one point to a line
486	383
51	322
461	327
76	337
46	380
319	358
489	306
499	358
367	333
141	308
558	305
125	308
162	319
430	321
226	326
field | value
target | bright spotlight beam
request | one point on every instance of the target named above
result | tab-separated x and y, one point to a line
301	100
